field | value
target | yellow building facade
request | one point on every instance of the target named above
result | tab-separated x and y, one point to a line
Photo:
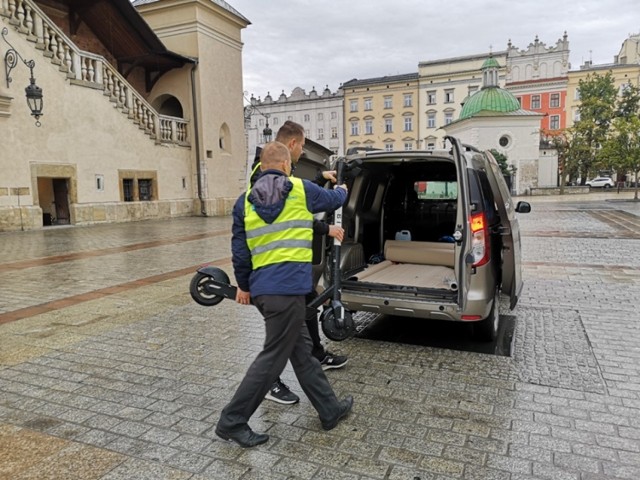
382	112
622	75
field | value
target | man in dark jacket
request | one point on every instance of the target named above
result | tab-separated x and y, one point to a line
271	247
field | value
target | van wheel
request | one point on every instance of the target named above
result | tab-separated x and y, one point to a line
487	330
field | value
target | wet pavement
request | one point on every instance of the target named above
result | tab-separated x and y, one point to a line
108	369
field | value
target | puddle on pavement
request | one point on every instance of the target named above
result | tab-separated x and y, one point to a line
434	333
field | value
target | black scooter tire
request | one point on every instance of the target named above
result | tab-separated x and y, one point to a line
199	292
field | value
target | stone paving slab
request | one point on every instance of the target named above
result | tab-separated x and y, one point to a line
130	386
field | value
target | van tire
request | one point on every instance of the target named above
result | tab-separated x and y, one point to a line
486	330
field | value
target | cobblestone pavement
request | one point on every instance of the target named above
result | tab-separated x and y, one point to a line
109	371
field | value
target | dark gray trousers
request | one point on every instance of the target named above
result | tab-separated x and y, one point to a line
286	338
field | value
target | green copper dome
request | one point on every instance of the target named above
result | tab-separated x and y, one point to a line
493	99
490	63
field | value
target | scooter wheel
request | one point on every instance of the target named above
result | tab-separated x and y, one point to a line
202	290
337	329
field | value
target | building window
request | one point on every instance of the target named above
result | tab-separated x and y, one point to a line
145	191
290	118
519	101
505	141
431	97
554	122
448	118
448	95
353	106
127	189
431	120
354	128
408	146
306	133
535	102
431	146
368	127
306	117
320	133
261	122
473	90
334	115
388	146
554	100
320	116
408	100
388	101
408	124
388	125
368	103
334	132
100	183
276	121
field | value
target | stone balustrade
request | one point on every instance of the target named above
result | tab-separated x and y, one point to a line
89	69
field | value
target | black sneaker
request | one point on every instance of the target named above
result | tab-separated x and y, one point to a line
333	361
280	393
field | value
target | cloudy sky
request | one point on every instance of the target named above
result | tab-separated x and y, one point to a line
316	43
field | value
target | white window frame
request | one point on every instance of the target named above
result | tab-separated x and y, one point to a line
431	97
431	120
408	146
334	132
321	134
448	118
388	147
355	128
388	125
368	104
353	105
408	124
449	95
553	96
368	127
554	119
408	100
388	101
535	102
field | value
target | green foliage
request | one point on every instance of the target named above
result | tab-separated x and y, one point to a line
597	109
501	158
622	145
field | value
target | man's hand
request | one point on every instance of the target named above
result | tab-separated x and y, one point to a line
336	232
330	175
242	297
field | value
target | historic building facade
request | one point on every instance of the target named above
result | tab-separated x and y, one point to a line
625	70
140	119
538	77
382	112
319	113
443	87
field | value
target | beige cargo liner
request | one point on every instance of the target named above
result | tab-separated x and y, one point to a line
409	274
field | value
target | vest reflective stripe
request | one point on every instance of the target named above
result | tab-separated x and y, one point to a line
288	238
278	227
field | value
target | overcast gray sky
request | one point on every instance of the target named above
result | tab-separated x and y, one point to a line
316	43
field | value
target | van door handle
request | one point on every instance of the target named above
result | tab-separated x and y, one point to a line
504	230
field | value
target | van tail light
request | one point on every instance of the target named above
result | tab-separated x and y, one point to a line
480	245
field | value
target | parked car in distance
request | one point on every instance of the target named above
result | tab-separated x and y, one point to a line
600	182
432	235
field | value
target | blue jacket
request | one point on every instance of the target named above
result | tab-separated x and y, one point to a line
268	196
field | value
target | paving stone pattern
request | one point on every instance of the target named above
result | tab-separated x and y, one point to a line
136	393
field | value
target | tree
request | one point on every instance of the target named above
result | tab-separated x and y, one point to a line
596	112
622	146
506	169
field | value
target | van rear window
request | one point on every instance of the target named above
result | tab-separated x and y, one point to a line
436	190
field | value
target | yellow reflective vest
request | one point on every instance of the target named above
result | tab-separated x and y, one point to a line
288	238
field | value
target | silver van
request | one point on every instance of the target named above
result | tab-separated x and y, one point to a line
430	234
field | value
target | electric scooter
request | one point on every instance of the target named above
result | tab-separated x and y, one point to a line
210	285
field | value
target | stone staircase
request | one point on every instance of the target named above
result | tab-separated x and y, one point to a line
89	70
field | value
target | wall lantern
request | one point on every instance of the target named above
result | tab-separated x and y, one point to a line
33	91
